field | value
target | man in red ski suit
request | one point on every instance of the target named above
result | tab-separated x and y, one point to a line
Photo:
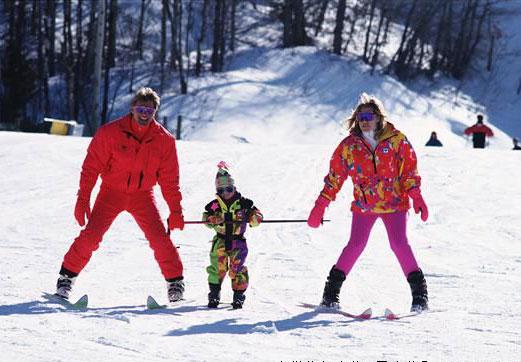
479	133
131	154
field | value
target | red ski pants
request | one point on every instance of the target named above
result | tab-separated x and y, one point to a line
142	206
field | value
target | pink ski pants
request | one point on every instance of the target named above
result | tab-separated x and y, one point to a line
395	224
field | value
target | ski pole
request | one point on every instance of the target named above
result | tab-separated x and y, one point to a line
263	222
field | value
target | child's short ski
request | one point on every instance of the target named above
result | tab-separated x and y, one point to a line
153	304
366	314
81	303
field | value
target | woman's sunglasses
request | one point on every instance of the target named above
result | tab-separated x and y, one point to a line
148	111
220	190
366	116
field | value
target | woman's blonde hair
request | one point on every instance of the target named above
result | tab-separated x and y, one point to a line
368	100
145	94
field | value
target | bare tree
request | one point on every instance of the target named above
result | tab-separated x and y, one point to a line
233	28
110	55
100	33
79	59
162	50
321	16
339	26
139	38
294	23
218	38
50	20
200	38
68	58
376	44
365	56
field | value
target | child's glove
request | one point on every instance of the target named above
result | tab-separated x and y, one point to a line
255	218
82	208
317	213
418	203
215	219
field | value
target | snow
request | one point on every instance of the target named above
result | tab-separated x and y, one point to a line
276	116
468	249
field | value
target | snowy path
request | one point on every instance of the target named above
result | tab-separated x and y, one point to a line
469	250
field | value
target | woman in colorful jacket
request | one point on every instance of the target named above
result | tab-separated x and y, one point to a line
382	165
228	214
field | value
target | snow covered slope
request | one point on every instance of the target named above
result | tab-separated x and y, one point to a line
469	250
301	95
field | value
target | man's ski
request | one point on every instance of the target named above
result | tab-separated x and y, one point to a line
152	304
366	314
81	303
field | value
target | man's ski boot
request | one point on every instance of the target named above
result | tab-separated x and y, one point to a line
330	298
238	299
65	282
214	297
176	288
420	298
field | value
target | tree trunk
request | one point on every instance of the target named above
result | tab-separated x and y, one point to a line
100	32
321	16
162	50
232	25
217	32
139	38
51	29
299	24
201	38
376	50
79	57
68	58
339	27
173	36
178	15
287	20
368	32
113	18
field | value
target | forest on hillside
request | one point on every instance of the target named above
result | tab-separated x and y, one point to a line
82	52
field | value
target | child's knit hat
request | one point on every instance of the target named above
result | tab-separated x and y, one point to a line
223	177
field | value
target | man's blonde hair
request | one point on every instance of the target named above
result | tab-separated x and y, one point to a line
145	94
368	100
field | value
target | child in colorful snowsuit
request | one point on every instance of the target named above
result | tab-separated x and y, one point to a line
228	214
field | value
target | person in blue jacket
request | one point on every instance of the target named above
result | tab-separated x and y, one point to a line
434	141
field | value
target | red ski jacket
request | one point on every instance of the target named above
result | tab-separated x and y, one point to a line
128	164
381	177
479	128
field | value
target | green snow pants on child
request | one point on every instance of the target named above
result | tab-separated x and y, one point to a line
231	261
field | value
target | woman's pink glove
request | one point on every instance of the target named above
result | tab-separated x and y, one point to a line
418	203
316	215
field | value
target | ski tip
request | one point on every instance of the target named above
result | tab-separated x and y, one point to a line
389	314
153	304
366	314
82	303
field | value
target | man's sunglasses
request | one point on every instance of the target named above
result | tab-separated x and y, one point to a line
144	110
220	190
365	116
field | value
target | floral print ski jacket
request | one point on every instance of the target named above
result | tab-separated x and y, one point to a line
381	177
